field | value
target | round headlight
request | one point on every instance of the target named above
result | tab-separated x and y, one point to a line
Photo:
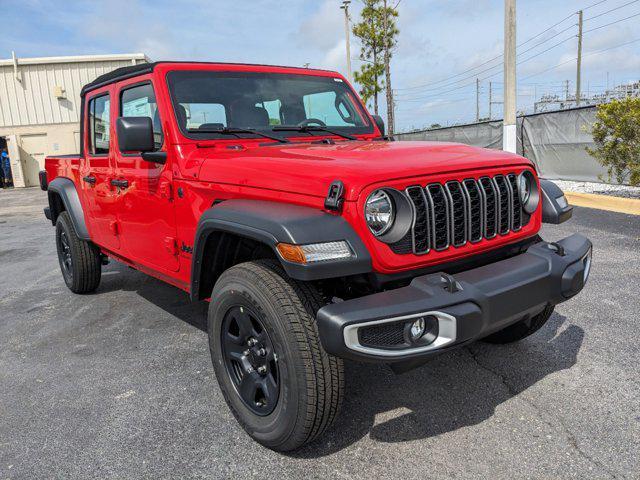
525	189
379	212
528	192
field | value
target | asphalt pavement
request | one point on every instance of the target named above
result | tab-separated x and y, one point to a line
119	383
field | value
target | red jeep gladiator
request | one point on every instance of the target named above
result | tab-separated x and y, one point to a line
272	193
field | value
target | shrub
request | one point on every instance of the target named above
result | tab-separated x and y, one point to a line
616	134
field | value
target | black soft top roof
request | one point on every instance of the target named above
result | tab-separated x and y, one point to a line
123	73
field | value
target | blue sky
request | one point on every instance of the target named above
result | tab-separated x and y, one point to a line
438	39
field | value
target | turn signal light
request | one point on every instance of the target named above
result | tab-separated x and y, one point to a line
314	252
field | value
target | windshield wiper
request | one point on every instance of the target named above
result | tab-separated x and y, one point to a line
236	131
310	129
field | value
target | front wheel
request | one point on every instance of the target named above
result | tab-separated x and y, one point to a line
280	384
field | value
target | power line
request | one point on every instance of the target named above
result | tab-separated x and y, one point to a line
611	23
420	98
587	55
594	4
420	87
611	10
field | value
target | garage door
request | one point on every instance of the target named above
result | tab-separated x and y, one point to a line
34	149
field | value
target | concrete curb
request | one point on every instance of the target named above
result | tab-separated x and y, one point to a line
604	202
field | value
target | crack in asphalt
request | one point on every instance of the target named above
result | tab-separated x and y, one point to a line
571	439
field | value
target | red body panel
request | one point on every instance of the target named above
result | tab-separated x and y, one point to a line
152	223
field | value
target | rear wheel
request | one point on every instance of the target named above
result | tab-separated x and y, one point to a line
79	260
522	329
280	384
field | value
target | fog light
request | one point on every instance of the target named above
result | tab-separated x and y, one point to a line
422	330
417	329
586	261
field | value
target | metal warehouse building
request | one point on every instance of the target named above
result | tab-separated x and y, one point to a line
40	106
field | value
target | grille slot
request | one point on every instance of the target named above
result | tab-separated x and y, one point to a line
441	215
475	210
455	213
504	202
492	212
517	207
458	207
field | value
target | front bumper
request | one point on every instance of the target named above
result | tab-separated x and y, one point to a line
467	306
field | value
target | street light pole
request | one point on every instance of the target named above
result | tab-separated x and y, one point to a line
509	133
345	7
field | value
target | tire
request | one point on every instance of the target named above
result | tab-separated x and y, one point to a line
522	329
300	391
79	260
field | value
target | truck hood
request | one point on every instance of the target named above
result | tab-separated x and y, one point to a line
309	168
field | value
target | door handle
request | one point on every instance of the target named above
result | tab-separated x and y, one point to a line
89	179
120	183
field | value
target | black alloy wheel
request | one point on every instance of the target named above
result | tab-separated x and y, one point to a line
64	247
250	360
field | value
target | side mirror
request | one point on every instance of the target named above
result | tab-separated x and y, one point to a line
135	134
379	123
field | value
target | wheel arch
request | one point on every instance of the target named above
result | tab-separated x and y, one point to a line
241	230
63	196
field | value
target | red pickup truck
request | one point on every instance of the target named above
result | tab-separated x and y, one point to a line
272	193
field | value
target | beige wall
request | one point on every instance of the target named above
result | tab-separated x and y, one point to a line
28	89
36	142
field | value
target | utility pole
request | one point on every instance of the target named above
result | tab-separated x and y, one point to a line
579	63
387	69
509	132
477	100
345	7
490	98
566	90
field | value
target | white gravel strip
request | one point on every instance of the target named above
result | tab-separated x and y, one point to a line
624	191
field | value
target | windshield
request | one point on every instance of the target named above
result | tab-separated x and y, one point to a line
206	101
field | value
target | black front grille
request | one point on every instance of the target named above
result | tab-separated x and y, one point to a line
455	213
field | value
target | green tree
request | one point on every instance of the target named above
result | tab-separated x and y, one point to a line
616	134
370	33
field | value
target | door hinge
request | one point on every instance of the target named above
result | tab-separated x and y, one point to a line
114	226
171	245
334	199
166	191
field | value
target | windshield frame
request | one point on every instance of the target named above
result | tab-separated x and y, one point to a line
369	129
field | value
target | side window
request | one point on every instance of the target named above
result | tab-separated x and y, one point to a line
273	109
99	125
203	115
140	101
327	107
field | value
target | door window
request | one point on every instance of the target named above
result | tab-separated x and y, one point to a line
140	101
99	125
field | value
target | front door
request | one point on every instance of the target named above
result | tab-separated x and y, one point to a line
97	170
145	214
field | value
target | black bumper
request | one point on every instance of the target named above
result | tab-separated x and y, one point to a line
467	306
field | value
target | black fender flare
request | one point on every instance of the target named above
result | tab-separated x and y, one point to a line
272	223
553	211
66	190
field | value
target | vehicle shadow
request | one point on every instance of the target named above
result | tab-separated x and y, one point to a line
172	300
455	390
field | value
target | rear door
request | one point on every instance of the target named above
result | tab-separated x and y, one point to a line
97	170
146	212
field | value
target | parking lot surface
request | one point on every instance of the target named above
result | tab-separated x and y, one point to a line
119	383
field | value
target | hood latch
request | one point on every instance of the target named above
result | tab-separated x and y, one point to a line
334	198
